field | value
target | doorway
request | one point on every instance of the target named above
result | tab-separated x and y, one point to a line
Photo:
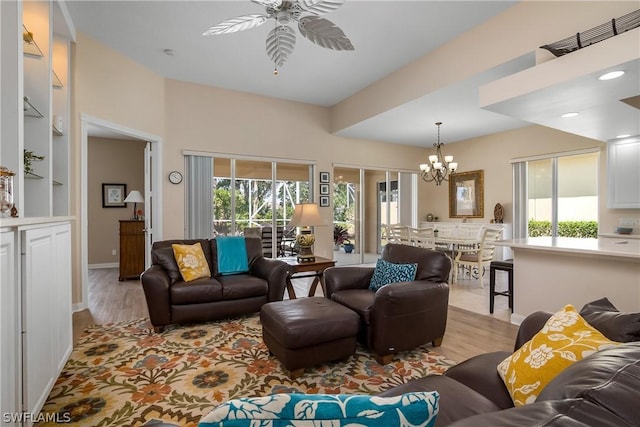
151	164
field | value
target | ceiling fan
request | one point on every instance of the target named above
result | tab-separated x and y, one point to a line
282	39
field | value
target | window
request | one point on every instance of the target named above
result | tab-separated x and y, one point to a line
557	196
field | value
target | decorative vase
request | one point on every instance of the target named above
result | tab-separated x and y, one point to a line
348	247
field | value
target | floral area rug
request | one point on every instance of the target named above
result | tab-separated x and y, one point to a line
124	374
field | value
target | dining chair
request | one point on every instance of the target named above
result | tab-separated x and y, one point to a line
477	258
400	234
422	237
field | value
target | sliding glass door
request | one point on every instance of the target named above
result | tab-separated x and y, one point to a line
365	200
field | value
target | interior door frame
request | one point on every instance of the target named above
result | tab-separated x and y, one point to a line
153	181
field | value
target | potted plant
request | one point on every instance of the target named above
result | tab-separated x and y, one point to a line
348	246
340	234
29	158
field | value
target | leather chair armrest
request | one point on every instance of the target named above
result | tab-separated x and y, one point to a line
156	283
341	278
480	373
406	297
531	325
405	315
274	272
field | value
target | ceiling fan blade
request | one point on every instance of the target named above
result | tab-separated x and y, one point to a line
320	7
239	23
269	3
280	43
323	32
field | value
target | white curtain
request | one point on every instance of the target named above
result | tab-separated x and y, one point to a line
199	197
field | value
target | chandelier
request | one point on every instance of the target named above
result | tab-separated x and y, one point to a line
439	167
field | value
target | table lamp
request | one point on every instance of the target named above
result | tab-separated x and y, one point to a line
134	197
305	216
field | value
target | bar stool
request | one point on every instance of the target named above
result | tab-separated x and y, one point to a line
506	265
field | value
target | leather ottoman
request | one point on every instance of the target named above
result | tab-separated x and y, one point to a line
306	332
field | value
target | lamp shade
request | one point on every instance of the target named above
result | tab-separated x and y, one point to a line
306	215
134	197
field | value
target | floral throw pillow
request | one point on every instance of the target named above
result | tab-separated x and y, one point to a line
387	272
191	261
337	410
564	339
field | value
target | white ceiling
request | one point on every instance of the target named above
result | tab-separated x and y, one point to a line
387	35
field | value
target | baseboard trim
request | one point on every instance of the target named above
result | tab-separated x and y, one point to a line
517	319
104	265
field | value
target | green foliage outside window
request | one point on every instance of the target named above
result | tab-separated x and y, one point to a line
581	229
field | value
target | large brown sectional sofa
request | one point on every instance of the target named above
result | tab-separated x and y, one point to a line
602	389
172	301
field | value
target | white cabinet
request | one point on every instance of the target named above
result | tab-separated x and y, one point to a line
623	168
9	328
46	310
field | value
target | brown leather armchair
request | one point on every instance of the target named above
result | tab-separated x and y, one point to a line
172	301
399	316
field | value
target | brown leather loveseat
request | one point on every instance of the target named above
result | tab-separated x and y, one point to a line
399	316
172	301
602	389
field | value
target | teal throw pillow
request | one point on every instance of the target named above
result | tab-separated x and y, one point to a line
336	410
387	272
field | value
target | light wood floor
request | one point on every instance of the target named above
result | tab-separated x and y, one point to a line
467	333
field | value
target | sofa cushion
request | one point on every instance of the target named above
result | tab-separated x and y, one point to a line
617	326
239	286
191	261
196	292
358	300
162	255
555	413
457	401
280	410
388	272
564	339
610	378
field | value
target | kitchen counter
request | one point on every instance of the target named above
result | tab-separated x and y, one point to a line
621	247
552	272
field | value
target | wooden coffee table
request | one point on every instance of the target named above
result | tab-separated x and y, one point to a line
313	269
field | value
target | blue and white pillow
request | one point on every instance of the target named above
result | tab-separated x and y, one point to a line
335	410
387	272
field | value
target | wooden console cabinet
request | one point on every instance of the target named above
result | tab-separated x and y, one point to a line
131	249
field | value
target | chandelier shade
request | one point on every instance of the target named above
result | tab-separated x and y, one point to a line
439	167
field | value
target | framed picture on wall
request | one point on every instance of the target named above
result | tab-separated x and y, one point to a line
466	195
324	177
113	195
324	201
324	189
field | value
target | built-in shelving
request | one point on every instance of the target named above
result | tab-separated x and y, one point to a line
30	110
31	175
55	80
29	45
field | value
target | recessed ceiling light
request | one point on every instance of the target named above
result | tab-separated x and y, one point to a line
572	114
611	75
626	135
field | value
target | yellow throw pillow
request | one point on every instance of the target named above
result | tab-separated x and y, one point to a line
191	261
564	339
